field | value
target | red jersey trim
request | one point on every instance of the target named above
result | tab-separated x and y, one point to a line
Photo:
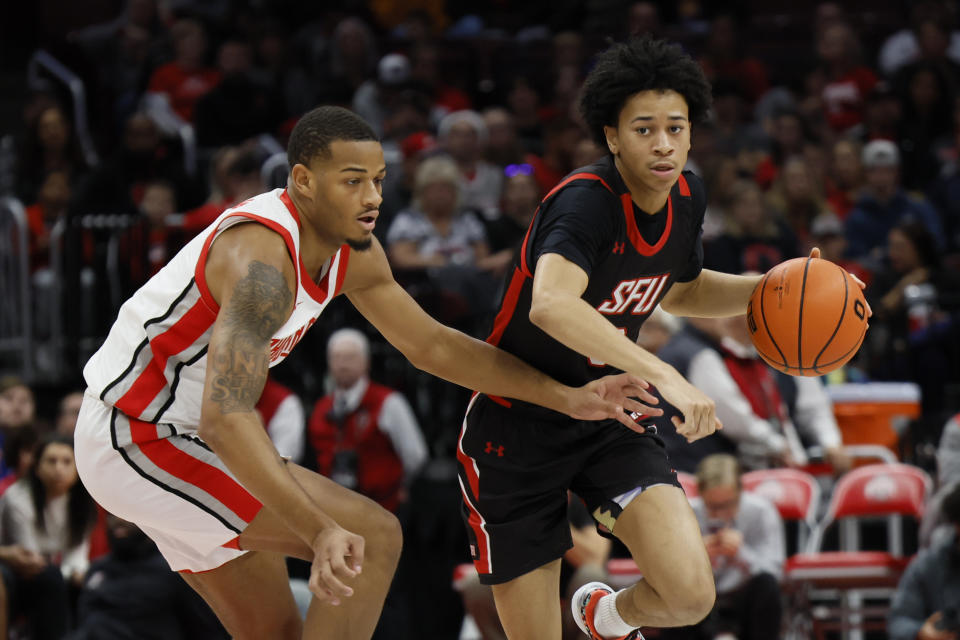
183	333
204	476
524	266
200	273
292	208
683	186
634	233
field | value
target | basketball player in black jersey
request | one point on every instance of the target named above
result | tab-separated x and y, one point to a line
608	243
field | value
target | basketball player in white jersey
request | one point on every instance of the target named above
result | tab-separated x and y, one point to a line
168	437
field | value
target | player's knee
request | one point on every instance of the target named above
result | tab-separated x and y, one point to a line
383	533
693	601
281	625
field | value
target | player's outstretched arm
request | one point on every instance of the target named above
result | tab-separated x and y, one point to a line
251	276
711	294
474	364
558	308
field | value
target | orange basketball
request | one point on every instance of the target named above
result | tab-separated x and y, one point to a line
807	317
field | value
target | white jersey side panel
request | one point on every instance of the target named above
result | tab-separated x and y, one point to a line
153	363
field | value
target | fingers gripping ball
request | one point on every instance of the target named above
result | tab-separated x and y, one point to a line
807	317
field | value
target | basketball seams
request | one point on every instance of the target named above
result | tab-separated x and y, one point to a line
763	317
843	313
803	291
842	358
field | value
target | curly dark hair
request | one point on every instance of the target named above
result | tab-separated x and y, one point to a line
313	133
641	64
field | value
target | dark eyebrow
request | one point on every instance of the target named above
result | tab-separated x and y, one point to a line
362	170
649	118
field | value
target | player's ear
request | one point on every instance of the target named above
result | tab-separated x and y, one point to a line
301	179
613	139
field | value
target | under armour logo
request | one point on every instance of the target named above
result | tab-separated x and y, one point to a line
618	247
490	449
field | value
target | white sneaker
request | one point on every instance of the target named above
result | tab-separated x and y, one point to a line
584	603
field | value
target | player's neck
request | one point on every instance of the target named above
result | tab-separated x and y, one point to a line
648	200
315	246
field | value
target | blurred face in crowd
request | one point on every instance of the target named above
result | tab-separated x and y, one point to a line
56	468
521	196
901	252
69	412
736	328
747	209
348	362
846	164
650	144
788	132
462	142
834	44
343	192
140	136
721	502
158	202
833	246
924	90
190	43
234	58
17	406
501	134
55	193
438	199
796	180
883	181
52	129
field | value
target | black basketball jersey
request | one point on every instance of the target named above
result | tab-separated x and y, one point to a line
632	259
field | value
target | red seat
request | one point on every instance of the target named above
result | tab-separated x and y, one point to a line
794	493
887	492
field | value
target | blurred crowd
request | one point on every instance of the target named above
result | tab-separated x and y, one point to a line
831	127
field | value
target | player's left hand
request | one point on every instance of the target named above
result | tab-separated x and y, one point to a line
610	397
815	253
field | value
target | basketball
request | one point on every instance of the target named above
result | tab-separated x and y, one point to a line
807	317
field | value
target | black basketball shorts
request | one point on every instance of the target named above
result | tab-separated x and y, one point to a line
516	468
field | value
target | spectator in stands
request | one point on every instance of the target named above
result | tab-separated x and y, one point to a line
398	186
882	115
928	91
364	435
117	185
131	593
925	603
463	134
184	80
845	80
743	534
656	332
845	178
67	412
762	421
796	197
35	589
51	145
146	247
351	59
523	100
427	74
789	133
754	240
17	405
934	529
518	203
373	100
234	177
240	105
724	60
503	147
49	512
827	233
944	192
282	413
50	207
913	298
18	454
435	231
883	205
903	46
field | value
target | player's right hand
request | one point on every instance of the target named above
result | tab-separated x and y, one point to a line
698	410
337	556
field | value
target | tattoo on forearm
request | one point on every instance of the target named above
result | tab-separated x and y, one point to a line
257	309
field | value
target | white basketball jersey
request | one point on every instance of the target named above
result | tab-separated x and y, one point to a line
153	363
